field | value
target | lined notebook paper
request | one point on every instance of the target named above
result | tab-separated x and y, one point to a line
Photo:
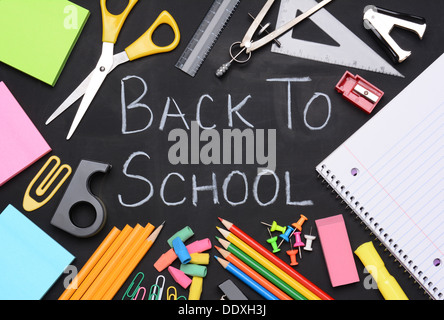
391	173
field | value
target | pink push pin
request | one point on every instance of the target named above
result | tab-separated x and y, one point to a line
298	242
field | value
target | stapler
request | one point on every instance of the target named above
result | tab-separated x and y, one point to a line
381	22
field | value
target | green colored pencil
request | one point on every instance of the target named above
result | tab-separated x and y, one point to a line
261	269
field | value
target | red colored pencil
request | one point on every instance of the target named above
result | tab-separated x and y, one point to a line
273	258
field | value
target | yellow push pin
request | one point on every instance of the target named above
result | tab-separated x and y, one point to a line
275	227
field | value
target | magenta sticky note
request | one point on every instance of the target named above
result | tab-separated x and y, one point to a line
337	250
21	144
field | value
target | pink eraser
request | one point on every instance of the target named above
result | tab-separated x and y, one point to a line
337	250
21	144
199	246
180	277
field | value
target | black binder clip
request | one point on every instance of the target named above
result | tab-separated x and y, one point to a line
381	22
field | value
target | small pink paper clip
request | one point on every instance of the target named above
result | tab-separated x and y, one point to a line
359	91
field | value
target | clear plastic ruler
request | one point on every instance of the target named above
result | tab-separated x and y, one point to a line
206	35
351	52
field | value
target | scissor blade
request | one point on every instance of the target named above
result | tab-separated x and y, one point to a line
98	77
119	58
73	97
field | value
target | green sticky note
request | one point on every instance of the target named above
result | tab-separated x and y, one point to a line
37	37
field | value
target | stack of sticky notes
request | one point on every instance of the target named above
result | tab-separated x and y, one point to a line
37	37
21	144
30	260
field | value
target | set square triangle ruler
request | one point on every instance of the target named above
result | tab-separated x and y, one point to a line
351	52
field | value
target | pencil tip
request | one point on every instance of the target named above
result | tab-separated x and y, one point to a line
220	219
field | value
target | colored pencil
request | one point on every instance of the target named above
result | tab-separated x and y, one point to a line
246	279
263	271
251	272
314	290
89	265
268	264
129	268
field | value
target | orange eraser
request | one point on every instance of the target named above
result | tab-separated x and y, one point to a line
165	260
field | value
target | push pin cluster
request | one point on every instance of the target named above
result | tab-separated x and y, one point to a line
286	234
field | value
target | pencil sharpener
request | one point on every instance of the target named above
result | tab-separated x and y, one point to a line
359	91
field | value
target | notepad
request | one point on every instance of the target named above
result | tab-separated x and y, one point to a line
391	173
21	144
30	260
37	37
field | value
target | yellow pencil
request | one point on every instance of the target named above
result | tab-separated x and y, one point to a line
118	267
93	274
89	265
268	264
117	257
123	276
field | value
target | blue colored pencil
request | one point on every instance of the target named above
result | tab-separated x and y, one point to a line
246	279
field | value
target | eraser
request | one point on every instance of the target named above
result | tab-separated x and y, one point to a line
199	246
195	288
183	234
181	251
180	277
337	250
165	260
194	270
200	258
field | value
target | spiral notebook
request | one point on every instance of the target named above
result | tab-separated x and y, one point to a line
391	173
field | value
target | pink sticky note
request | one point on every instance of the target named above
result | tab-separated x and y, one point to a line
21	144
337	250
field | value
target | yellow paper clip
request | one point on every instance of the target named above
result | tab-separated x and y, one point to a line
173	296
156	290
136	289
29	204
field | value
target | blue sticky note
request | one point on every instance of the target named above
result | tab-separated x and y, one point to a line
30	260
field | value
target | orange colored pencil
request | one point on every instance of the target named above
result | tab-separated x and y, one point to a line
232	228
253	274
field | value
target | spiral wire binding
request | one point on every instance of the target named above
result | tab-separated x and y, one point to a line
383	237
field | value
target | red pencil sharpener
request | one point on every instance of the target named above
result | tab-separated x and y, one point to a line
359	91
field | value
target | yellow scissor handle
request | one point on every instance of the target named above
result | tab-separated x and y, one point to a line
112	24
144	46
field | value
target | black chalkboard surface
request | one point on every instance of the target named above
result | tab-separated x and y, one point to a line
143	107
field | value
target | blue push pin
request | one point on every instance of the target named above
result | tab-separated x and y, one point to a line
288	232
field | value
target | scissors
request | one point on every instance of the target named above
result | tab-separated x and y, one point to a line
143	46
247	44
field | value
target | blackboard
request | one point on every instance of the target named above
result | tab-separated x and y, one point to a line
320	120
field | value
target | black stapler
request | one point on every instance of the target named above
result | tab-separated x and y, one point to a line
381	22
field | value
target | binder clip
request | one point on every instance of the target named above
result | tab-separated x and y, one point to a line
381	22
359	91
29	203
79	191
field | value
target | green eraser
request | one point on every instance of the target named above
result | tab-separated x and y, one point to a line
195	270
183	234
